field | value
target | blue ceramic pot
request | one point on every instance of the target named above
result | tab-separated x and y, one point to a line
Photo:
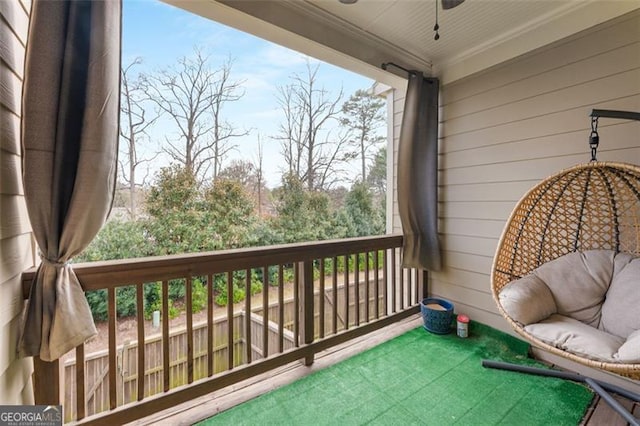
437	315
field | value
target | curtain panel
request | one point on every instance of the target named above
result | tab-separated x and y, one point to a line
70	144
418	175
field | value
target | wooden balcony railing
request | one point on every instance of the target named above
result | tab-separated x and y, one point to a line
314	296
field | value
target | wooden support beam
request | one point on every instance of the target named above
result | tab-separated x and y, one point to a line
305	292
81	402
48	382
141	341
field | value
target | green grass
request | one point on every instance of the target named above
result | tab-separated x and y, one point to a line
421	378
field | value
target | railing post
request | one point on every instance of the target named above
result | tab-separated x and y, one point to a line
305	292
48	382
423	284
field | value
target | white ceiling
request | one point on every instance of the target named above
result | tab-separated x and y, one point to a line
473	36
407	25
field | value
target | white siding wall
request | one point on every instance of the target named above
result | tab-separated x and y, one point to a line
505	129
398	107
16	250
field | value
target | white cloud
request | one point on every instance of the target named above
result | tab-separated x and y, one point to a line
267	114
254	82
281	57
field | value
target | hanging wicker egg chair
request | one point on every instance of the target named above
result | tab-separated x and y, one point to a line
594	206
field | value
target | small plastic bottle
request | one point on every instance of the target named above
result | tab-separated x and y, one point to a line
463	326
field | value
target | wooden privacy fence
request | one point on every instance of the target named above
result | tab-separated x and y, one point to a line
331	304
97	366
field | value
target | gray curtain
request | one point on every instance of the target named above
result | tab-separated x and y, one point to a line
418	175
70	144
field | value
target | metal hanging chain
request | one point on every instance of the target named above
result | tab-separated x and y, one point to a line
436	27
594	138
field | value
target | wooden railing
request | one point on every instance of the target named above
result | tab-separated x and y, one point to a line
338	290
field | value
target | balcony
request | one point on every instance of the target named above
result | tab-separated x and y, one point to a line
315	296
332	298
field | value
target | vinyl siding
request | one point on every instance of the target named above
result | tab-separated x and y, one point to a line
398	107
505	129
16	245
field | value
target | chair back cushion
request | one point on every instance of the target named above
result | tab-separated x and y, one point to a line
578	282
621	308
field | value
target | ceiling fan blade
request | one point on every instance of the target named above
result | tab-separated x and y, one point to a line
450	4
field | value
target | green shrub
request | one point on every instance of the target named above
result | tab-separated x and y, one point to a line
256	287
126	305
152	299
173	311
97	300
118	240
198	296
238	296
239	284
177	289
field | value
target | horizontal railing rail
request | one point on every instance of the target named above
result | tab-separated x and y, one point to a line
299	299
114	273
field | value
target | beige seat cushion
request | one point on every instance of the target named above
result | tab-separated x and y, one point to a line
621	309
527	300
629	352
578	338
578	282
585	303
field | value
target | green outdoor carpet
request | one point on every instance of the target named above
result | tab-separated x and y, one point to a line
421	378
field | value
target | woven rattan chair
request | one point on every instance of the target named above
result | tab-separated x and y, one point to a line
587	207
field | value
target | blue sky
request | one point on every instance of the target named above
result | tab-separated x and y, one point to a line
160	34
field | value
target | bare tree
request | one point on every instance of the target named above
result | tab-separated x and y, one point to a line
311	150
291	129
363	116
192	95
225	91
258	164
133	129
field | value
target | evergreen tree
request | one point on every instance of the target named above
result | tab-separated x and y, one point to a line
377	177
363	115
359	213
229	215
175	217
302	215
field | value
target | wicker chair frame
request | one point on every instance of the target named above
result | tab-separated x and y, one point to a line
586	207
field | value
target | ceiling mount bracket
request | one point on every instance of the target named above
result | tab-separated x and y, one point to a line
386	65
